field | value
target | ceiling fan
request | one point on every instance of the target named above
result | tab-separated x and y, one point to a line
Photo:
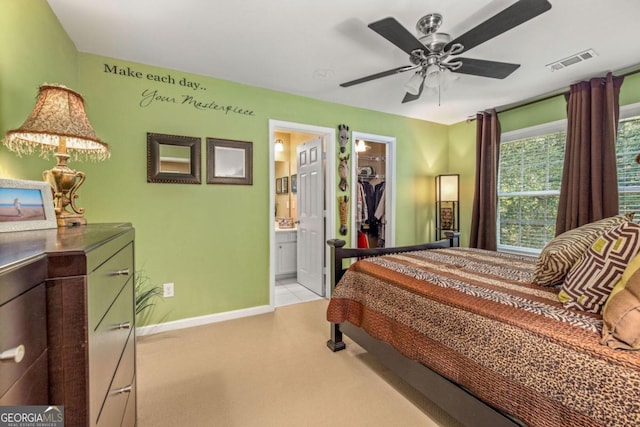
430	54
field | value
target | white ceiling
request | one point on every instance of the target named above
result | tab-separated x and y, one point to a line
308	48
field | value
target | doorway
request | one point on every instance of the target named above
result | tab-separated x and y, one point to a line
374	177
289	226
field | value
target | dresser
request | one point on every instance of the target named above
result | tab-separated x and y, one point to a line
84	277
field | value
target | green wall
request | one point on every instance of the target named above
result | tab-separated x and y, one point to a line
212	241
34	49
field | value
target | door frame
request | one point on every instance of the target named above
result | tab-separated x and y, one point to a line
328	136
390	179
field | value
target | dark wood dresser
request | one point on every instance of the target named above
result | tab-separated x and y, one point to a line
67	296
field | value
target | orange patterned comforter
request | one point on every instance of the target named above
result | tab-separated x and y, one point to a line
476	318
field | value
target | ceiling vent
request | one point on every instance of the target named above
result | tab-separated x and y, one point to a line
573	59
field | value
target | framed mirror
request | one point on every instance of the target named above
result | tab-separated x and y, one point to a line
173	159
229	162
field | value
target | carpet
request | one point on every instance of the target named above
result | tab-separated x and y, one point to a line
271	370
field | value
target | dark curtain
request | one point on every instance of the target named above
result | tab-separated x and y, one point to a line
485	199
589	189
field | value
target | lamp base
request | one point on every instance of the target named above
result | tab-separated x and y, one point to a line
64	183
70	220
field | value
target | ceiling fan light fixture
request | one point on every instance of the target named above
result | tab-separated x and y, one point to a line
447	78
414	83
433	76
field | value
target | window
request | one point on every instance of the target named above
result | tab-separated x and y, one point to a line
627	148
530	174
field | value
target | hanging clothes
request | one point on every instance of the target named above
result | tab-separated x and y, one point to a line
363	242
379	214
368	207
362	211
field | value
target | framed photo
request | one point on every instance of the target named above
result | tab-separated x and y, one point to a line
229	162
26	205
285	184
294	183
278	185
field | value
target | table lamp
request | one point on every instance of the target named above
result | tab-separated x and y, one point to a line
58	124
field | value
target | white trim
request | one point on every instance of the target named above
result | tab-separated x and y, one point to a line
390	179
202	320
626	111
630	110
328	136
543	129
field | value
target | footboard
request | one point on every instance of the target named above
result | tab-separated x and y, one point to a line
339	254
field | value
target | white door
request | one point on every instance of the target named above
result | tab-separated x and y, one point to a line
310	215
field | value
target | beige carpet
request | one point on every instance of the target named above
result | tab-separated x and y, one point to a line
270	370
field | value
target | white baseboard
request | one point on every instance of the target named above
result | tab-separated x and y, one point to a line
202	320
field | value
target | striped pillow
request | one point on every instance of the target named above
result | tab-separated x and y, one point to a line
590	281
561	253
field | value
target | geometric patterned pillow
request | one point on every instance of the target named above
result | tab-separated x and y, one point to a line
590	281
561	253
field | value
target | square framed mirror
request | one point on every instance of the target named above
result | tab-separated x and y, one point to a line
229	162
173	159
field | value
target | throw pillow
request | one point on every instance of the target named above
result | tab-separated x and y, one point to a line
561	253
591	279
621	312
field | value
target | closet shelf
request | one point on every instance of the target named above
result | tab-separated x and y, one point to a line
373	158
370	176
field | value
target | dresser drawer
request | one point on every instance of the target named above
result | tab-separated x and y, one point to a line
106	281
32	388
106	346
121	394
23	321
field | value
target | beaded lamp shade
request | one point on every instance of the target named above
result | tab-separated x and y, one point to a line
58	114
58	124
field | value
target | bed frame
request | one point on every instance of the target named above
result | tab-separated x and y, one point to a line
455	400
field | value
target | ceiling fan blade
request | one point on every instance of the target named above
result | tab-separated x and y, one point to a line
378	75
516	14
393	31
411	97
480	67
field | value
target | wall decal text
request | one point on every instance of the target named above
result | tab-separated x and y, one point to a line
150	96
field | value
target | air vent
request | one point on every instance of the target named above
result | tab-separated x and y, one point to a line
573	59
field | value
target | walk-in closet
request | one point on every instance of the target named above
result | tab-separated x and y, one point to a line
371	216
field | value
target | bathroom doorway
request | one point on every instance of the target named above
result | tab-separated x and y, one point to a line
293	231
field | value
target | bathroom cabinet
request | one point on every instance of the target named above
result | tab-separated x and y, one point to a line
286	263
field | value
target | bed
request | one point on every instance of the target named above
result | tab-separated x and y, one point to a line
470	330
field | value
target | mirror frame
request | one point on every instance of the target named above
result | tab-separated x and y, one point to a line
245	146
154	174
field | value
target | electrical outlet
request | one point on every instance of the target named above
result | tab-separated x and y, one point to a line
167	290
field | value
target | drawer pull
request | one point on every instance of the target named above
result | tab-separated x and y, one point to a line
123	325
16	354
123	272
126	389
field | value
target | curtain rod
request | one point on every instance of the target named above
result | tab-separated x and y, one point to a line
559	92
